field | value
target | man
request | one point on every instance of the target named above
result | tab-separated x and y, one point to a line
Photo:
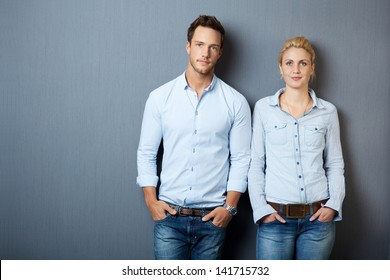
205	126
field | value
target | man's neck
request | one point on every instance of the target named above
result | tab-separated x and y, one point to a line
198	82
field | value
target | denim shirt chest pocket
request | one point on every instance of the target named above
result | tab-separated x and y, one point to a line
276	133
315	135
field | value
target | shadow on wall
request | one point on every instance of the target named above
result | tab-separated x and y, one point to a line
347	230
241	233
224	68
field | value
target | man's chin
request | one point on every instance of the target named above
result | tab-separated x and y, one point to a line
204	72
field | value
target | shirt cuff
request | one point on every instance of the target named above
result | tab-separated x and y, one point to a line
237	186
337	207
147	181
262	211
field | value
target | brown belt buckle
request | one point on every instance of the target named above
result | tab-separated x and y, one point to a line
298	209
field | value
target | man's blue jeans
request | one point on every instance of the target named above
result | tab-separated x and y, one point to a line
296	239
186	238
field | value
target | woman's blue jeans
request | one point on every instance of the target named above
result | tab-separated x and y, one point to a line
187	238
296	239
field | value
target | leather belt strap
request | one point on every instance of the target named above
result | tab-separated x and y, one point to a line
186	211
297	211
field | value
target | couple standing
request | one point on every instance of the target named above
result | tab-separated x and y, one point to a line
291	148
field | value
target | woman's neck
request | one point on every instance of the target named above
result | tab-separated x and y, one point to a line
296	102
297	96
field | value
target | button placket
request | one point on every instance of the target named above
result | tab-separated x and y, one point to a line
194	142
298	160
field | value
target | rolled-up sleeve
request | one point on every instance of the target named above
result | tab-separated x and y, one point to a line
150	139
239	144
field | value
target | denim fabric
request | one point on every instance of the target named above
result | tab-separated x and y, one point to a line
296	239
295	160
187	238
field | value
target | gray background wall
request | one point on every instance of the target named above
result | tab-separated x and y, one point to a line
74	78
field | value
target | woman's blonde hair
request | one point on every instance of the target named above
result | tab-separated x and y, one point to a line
301	43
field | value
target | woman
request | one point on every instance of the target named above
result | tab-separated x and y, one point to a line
296	176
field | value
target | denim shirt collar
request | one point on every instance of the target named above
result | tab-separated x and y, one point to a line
316	101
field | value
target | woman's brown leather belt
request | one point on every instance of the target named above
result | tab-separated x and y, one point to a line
297	211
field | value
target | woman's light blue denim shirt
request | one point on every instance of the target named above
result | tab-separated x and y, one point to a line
295	160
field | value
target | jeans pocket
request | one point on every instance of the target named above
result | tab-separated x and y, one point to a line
271	223
323	222
212	225
168	216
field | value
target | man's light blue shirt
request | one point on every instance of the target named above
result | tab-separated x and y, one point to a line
206	143
295	160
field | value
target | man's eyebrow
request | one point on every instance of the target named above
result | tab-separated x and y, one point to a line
212	45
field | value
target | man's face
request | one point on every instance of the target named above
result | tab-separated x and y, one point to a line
204	50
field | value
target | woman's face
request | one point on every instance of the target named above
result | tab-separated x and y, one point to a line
296	68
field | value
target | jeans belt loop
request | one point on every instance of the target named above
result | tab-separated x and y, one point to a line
205	212
281	208
311	208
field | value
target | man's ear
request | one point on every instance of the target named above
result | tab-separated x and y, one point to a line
188	46
220	52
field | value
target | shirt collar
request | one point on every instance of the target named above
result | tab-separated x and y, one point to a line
316	101
184	84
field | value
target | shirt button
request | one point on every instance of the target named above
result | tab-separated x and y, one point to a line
300	177
195	132
193	150
296	136
301	189
295	123
297	163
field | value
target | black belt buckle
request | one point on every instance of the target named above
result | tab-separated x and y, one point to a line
299	209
